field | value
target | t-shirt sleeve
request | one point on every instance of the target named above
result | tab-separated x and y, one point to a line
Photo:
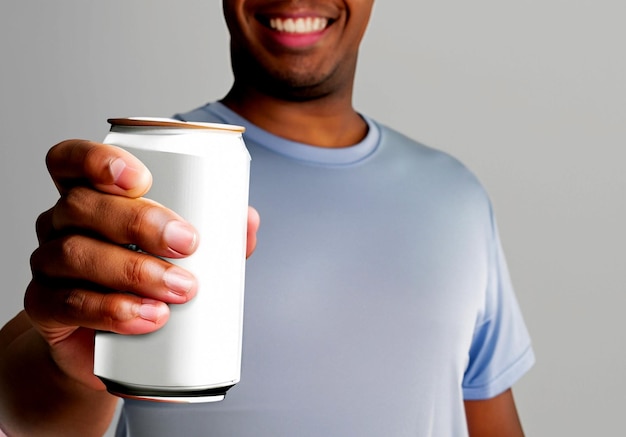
501	351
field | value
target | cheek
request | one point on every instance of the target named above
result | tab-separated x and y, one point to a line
235	16
360	12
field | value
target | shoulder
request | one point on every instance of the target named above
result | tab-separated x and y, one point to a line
207	113
396	142
427	164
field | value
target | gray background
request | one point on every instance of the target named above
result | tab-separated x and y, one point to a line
530	95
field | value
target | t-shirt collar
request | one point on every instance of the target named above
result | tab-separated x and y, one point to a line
300	151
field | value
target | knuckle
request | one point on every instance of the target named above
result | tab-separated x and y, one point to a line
43	225
114	311
74	303
140	221
31	299
134	272
80	206
66	149
72	251
74	200
107	311
69	208
41	221
53	151
35	262
94	160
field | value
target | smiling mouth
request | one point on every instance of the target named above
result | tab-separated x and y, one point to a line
297	25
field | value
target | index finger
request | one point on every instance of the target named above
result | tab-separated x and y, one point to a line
106	168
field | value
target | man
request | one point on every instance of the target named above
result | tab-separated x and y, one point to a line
378	301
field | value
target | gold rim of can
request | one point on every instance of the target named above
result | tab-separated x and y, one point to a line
167	122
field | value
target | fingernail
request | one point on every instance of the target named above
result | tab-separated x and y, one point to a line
178	281
124	176
152	310
179	237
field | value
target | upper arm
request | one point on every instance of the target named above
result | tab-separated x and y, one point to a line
494	417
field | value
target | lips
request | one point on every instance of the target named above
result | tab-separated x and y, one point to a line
295	31
296	25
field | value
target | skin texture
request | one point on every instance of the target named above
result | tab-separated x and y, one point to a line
297	88
493	417
303	93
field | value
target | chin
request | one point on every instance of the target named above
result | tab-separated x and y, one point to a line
296	84
299	87
290	89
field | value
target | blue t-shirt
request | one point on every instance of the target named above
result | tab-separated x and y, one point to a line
378	298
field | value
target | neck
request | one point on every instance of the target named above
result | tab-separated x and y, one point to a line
328	121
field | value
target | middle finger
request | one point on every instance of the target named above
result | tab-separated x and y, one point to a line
123	220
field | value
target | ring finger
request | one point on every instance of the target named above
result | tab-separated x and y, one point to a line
82	258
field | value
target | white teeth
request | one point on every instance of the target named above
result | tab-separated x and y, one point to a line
299	25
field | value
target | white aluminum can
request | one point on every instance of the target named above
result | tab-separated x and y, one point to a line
200	171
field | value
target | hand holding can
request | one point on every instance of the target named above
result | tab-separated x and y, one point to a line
200	171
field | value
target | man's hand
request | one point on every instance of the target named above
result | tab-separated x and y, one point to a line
81	268
84	279
81	271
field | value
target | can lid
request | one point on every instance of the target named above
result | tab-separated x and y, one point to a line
172	123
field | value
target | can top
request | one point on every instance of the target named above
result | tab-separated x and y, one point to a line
172	123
